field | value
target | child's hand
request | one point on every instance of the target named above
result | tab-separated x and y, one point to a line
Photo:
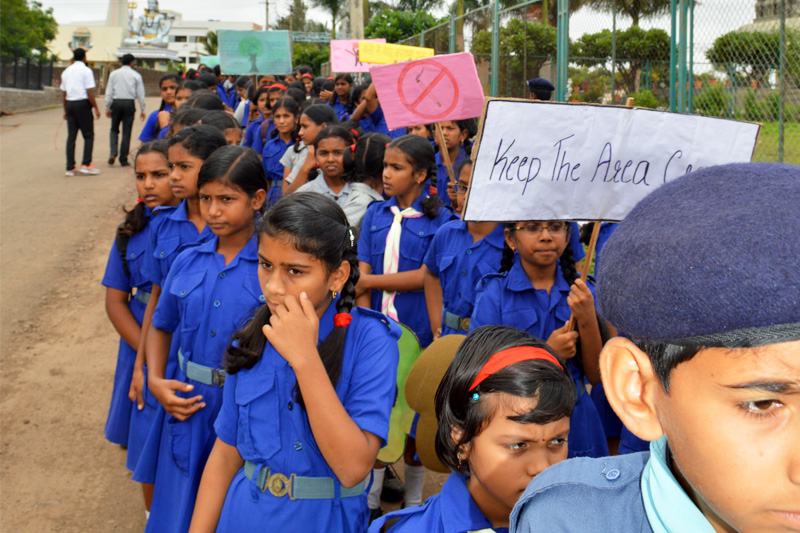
563	342
137	387
325	95
293	330
181	408
311	158
437	334
581	301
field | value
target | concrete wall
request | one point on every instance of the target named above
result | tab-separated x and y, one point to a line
16	100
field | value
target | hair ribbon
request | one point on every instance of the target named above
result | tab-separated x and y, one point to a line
353	148
342	320
506	358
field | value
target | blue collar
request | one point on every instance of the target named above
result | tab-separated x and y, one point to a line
180	213
417	204
668	507
459	511
518	280
248	253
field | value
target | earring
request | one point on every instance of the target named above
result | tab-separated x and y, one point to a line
460	462
333	295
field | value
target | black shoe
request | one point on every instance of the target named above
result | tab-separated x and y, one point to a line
393	491
374	514
124	164
111	160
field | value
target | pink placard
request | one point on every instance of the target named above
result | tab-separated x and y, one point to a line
444	87
344	55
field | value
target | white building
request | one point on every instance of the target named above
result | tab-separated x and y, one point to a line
187	37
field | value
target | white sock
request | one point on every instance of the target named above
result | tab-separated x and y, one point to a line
374	496
147	514
414	478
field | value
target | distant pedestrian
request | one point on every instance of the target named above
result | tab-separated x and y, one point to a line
77	82
125	86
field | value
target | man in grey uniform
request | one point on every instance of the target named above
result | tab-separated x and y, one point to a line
125	86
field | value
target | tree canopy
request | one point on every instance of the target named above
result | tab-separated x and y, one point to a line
25	28
754	54
636	10
395	26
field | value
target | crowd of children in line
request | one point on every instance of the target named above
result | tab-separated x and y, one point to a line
283	232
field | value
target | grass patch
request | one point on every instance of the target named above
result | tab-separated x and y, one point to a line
767	146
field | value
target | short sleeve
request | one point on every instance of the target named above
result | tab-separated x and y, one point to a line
151	271
287	159
365	239
487	304
114	277
228	417
575	242
149	128
374	379
432	254
167	314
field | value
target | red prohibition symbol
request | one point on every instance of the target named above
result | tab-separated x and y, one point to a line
437	93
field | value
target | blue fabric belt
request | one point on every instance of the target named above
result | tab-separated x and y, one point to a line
278	182
143	296
453	321
298	487
200	373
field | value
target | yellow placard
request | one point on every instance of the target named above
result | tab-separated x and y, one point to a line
385	54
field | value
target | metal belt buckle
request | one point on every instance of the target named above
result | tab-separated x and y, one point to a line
464	324
217	378
279	485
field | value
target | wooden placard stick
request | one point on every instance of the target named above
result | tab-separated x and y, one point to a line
445	156
586	262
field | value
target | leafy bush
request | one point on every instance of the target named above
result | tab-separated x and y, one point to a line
713	102
645	98
395	26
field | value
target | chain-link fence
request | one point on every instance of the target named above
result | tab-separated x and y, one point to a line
734	58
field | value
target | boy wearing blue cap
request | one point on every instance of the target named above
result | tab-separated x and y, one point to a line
701	276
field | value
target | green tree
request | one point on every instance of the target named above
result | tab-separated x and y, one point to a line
395	26
25	28
524	48
312	55
636	48
334	8
297	20
635	9
754	55
211	43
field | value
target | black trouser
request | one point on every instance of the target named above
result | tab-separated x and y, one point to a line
121	111
79	116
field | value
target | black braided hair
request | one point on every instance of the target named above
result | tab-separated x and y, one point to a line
420	154
315	225
507	260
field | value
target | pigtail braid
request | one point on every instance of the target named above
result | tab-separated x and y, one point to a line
507	260
251	342
567	262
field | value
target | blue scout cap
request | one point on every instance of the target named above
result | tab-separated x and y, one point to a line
540	84
709	259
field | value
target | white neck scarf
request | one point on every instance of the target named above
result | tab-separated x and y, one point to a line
391	255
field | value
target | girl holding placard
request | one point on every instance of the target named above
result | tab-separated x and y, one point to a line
537	290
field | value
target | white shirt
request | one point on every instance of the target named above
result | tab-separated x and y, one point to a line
359	199
125	84
294	160
75	80
321	186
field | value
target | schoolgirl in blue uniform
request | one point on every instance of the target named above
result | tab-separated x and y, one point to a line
536	291
460	254
164	117
253	130
340	101
310	386
369	114
127	293
210	290
285	113
171	230
313	120
456	135
168	85
409	218
504	409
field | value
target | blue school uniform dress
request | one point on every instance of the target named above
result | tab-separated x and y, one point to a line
261	418
230	99
443	178
376	123
271	159
509	299
126	424
150	129
460	263
162	133
341	110
205	301
260	137
451	511
415	238
253	129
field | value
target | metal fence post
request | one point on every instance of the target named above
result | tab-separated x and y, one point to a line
452	35
562	55
495	47
782	82
613	56
691	57
682	49
672	55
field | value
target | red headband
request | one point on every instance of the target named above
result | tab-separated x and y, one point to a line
506	358
279	85
306	75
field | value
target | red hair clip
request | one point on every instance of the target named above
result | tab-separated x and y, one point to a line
139	201
353	148
355	133
433	190
387	145
342	320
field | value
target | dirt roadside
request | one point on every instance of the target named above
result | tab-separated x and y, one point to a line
57	348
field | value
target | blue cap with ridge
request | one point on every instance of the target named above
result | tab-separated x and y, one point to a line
709	259
541	84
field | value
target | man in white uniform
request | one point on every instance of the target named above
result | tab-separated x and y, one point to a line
77	82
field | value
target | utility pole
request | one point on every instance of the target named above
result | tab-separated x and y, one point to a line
356	19
266	3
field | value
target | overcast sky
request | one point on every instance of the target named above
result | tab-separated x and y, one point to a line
713	17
